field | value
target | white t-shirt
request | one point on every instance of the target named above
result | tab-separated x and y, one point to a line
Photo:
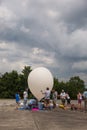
47	94
25	94
55	94
63	95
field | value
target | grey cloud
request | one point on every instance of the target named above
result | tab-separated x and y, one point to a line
75	14
58	28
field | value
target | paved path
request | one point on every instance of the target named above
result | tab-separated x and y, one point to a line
59	119
11	119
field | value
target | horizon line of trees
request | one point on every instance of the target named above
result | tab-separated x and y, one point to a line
12	82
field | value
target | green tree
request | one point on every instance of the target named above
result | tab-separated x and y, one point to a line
56	83
25	73
12	82
58	86
24	79
74	86
9	84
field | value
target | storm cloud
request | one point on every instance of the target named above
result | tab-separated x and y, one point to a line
49	33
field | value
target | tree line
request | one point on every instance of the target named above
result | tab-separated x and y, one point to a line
12	82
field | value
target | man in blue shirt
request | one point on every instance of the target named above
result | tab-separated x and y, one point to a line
17	98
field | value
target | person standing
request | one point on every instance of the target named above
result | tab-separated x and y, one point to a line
79	98
25	96
68	99
85	99
17	98
63	97
54	97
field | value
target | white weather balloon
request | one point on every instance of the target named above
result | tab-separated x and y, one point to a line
38	80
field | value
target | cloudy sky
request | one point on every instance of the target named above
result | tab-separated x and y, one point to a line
48	33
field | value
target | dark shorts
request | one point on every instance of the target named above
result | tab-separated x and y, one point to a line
79	101
47	101
63	101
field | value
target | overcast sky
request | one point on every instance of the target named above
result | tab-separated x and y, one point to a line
48	33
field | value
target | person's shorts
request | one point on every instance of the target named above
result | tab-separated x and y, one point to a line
63	100
47	101
79	101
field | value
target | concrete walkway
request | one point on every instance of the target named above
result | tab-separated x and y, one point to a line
58	119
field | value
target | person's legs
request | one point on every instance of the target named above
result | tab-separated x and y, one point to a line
47	103
25	102
79	103
17	104
68	101
63	101
85	104
54	103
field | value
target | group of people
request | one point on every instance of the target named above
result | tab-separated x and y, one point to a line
65	98
82	97
54	95
51	96
46	101
25	98
47	96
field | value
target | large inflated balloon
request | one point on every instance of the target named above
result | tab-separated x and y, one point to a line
38	80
